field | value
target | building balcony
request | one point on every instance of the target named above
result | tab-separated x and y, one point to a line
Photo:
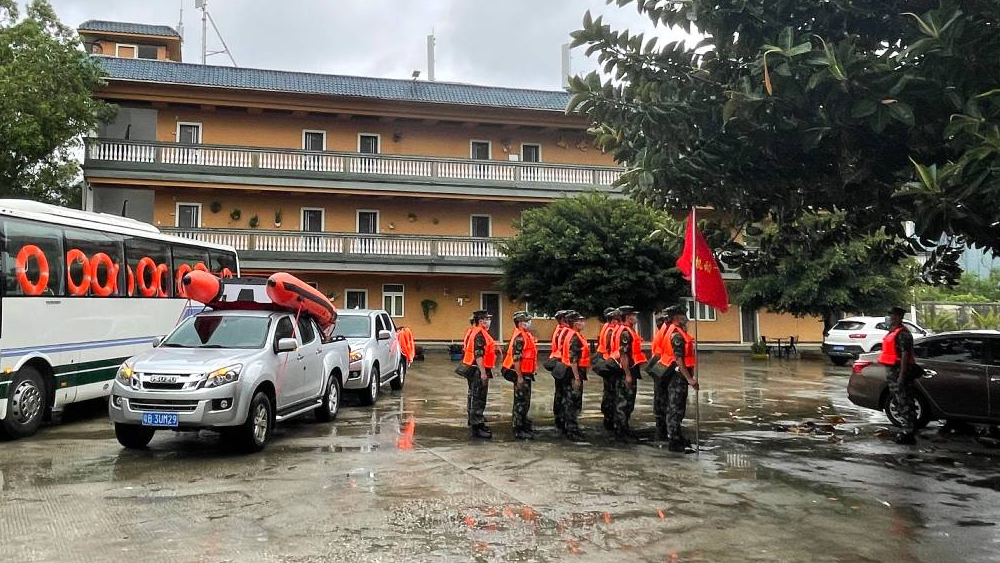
270	250
108	159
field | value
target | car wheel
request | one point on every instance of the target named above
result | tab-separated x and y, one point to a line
923	412
25	404
840	361
132	436
397	383
370	393
254	433
331	401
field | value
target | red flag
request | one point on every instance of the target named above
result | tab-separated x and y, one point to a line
707	283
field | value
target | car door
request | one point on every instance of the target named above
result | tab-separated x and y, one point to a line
311	353
955	375
288	376
382	346
993	374
394	350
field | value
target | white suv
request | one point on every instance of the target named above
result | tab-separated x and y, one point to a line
853	336
375	355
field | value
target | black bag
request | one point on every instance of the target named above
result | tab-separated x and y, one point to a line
560	370
550	364
658	370
465	371
509	375
652	362
597	362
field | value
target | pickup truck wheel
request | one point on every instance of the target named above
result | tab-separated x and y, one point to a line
253	434
25	404
397	383
370	393
132	436
922	411
331	401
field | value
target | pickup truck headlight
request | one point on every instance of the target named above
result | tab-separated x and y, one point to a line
222	376
356	355
124	375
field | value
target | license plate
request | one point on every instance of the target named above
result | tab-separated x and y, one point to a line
168	419
838	348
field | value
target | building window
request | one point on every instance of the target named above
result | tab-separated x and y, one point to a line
392	299
123	51
356	299
700	311
189	133
313	140
147	52
367	222
368	143
312	220
482	226
531	153
188	215
480	150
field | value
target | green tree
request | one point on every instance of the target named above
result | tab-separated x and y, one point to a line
591	252
47	83
807	269
969	289
790	109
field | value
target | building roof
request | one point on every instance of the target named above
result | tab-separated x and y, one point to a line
146	70
126	27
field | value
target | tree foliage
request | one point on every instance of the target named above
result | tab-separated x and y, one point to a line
887	111
47	83
824	270
969	289
591	252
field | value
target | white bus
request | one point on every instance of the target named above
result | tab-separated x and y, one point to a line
81	293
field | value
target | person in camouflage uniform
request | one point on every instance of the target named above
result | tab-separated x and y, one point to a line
612	318
662	348
483	357
558	397
577	357
897	356
631	359
680	375
519	367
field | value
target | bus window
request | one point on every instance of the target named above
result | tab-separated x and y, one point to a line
33	259
149	262
223	264
186	259
98	257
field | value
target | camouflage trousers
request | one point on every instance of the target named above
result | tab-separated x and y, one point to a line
624	402
478	391
572	403
522	404
558	400
660	403
608	401
902	395
677	394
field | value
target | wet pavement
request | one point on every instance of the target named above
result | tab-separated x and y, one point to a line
791	471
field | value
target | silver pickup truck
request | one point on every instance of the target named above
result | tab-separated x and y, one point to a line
238	372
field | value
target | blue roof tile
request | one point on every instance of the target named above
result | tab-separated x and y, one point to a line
332	85
126	27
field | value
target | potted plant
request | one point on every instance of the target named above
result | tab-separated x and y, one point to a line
428	306
758	350
254	221
235	214
455	352
277	219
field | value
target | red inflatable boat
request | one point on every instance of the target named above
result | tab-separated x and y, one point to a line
289	291
281	290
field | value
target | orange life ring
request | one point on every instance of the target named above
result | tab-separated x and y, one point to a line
27	252
226	273
182	270
140	272
76	255
110	282
162	280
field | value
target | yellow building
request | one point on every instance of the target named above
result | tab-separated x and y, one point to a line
383	193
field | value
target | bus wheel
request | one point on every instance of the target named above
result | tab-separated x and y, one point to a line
132	436
25	404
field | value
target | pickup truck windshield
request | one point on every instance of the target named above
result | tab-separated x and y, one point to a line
353	327
215	331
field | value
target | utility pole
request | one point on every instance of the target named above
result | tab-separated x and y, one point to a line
203	4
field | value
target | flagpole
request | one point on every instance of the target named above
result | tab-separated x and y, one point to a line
694	276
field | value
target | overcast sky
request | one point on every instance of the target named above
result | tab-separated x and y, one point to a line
502	43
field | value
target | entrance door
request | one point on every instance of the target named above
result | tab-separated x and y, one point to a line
490	302
748	325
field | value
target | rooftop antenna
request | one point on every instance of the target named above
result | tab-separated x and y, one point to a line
180	23
566	69
206	18
430	56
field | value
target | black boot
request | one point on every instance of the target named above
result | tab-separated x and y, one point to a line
523	434
906	438
575	436
676	445
609	424
481	431
661	433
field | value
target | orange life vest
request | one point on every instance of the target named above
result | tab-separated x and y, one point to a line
585	353
636	353
529	354
667	357
661	340
889	357
558	335
406	345
489	354
603	345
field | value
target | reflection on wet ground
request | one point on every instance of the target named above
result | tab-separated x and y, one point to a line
790	471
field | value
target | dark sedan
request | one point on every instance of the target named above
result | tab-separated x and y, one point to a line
960	371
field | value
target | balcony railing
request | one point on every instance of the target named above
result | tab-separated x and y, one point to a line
348	244
383	165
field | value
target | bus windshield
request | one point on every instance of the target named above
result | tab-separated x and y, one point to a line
353	326
216	331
